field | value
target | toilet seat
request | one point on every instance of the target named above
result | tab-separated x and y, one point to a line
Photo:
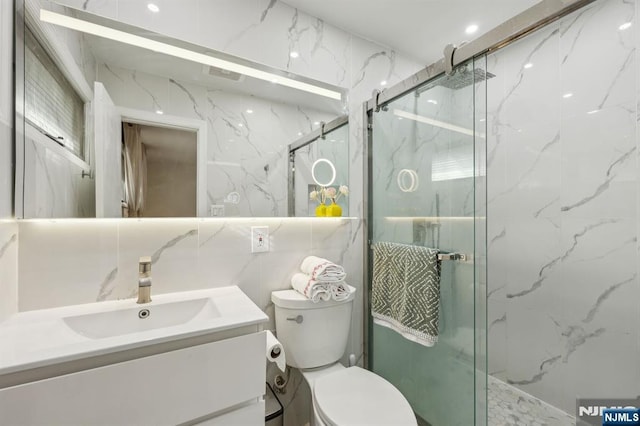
354	396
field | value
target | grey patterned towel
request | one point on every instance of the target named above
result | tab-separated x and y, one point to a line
405	293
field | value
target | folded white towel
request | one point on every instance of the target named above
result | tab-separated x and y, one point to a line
339	291
322	269
312	289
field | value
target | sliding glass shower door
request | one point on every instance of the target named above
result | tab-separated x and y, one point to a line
426	179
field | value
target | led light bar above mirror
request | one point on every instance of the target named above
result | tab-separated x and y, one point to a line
190	53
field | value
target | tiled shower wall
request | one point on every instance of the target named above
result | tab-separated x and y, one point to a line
563	216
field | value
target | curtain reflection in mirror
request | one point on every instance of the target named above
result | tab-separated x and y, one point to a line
135	171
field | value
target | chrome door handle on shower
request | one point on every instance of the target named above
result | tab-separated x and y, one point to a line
297	319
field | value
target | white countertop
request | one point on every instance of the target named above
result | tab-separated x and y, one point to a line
42	338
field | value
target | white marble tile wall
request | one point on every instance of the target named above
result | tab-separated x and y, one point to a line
53	184
563	208
8	268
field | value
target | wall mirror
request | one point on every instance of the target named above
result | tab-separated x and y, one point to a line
118	121
319	170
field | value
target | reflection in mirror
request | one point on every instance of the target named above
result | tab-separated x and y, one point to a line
319	169
208	141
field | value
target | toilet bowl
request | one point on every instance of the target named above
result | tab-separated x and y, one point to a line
314	337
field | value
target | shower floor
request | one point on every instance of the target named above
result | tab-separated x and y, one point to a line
509	406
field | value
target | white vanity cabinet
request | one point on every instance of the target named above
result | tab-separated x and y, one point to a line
220	382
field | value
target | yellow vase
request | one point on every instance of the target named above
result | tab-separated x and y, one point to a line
321	210
334	210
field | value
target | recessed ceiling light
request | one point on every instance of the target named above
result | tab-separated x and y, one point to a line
299	133
294	54
567	95
315	123
624	26
182	53
593	112
249	111
240	124
528	65
432	101
159	111
471	29
333	140
383	83
153	7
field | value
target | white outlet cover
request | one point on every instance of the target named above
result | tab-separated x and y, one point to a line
259	239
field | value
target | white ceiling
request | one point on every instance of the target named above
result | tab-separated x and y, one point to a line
419	28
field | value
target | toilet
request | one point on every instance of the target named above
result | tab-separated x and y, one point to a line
314	336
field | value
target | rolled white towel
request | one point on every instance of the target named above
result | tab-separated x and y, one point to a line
322	269
312	289
339	291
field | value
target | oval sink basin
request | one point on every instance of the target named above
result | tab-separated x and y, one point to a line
141	318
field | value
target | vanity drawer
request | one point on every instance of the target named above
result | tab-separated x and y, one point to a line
249	415
168	388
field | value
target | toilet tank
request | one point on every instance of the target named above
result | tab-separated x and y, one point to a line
313	334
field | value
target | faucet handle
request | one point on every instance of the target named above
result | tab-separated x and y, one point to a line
144	264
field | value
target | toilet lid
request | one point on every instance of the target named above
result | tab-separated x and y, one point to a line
355	396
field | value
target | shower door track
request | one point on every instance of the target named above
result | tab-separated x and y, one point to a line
532	19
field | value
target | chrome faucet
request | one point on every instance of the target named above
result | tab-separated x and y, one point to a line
144	280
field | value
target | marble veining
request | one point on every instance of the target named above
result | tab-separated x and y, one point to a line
155	257
294	34
538	212
502	319
265	12
506	98
196	109
532	168
242	33
156	104
539	375
5	246
107	285
619	75
509	406
563	190
610	176
551	264
362	72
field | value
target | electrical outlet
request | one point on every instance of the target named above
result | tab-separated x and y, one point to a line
259	239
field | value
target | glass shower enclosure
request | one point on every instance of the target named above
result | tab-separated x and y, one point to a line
427	188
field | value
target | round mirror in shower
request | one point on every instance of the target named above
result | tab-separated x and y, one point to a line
408	180
323	172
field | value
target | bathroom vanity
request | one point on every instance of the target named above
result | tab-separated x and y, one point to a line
201	362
